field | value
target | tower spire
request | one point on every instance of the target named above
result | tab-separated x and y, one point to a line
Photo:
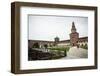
73	27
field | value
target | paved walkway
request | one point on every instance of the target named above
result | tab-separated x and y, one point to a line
75	53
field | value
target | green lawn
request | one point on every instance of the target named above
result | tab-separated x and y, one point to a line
59	52
59	48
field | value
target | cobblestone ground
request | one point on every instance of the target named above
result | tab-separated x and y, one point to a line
75	53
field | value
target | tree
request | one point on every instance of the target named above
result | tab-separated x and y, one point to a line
85	46
36	45
46	46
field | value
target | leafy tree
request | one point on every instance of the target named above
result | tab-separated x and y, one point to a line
36	45
84	46
46	46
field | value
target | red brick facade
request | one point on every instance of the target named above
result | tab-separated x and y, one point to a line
74	36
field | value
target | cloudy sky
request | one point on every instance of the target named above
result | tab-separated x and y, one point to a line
48	27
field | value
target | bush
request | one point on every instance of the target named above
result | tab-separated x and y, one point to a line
36	45
59	48
46	46
84	46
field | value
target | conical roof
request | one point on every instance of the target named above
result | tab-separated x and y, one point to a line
73	27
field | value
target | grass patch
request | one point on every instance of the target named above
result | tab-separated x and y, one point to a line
84	47
59	48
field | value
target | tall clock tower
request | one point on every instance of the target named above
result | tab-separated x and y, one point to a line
74	36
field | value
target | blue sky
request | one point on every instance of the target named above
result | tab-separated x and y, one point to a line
48	27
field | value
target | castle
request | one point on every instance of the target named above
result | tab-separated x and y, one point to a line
73	41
